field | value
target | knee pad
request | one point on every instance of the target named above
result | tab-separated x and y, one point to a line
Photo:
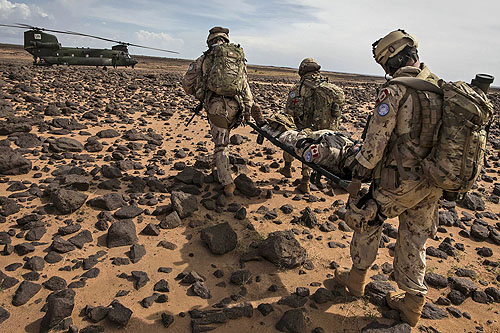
364	218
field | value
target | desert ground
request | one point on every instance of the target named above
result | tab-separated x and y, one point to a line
111	220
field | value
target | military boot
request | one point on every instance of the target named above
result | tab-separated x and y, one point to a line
229	190
304	185
354	280
409	306
286	170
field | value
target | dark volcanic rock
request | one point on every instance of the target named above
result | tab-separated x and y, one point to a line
376	327
464	285
8	206
121	233
184	204
12	163
479	232
282	249
220	238
308	218
376	291
110	201
61	245
4	315
59	306
472	201
292	321
246	186
170	221
431	311
436	280
61	145
25	292
241	277
79	240
119	315
55	283
136	252
199	289
68	201
128	212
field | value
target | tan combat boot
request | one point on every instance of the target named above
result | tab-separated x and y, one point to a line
229	190
409	306
353	280
286	170
304	185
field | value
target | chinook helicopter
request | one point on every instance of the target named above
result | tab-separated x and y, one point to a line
47	51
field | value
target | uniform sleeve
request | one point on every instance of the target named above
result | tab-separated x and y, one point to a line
381	126
247	93
192	76
291	101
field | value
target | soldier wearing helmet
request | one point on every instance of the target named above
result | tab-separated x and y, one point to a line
315	104
397	137
227	105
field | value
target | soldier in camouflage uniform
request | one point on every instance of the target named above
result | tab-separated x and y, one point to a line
302	100
399	188
224	113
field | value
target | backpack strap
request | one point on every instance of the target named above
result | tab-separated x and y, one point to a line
418	84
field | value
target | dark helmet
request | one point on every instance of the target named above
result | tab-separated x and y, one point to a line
218	32
308	65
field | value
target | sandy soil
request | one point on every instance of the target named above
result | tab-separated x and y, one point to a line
151	98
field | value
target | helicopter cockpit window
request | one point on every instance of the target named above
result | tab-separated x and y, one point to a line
127	56
100	55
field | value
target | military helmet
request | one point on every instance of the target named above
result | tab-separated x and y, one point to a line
392	44
308	65
218	32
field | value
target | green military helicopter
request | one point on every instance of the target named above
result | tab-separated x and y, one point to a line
47	51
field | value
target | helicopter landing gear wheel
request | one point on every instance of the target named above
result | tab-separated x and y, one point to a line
133	66
104	68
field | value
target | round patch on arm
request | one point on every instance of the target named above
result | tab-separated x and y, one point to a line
292	94
307	156
383	109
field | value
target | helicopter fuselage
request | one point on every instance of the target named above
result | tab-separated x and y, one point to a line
47	51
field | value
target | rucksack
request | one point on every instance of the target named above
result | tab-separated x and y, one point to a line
459	141
226	73
320	105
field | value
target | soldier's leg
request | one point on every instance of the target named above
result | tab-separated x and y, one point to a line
304	182
220	137
286	170
415	226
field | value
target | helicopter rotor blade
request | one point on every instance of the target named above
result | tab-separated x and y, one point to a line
68	32
12	26
151	48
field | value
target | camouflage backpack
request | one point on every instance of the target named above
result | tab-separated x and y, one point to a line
226	73
319	107
459	142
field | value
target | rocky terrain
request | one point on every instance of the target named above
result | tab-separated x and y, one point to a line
111	220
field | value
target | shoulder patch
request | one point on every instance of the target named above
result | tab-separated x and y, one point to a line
292	94
307	156
383	109
191	67
382	95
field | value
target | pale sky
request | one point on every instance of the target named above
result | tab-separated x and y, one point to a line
457	39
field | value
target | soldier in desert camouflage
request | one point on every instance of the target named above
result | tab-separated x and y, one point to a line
218	78
315	104
395	142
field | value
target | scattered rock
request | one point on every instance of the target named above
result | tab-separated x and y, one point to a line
220	238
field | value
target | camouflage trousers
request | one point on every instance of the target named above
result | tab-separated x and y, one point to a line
220	137
416	205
